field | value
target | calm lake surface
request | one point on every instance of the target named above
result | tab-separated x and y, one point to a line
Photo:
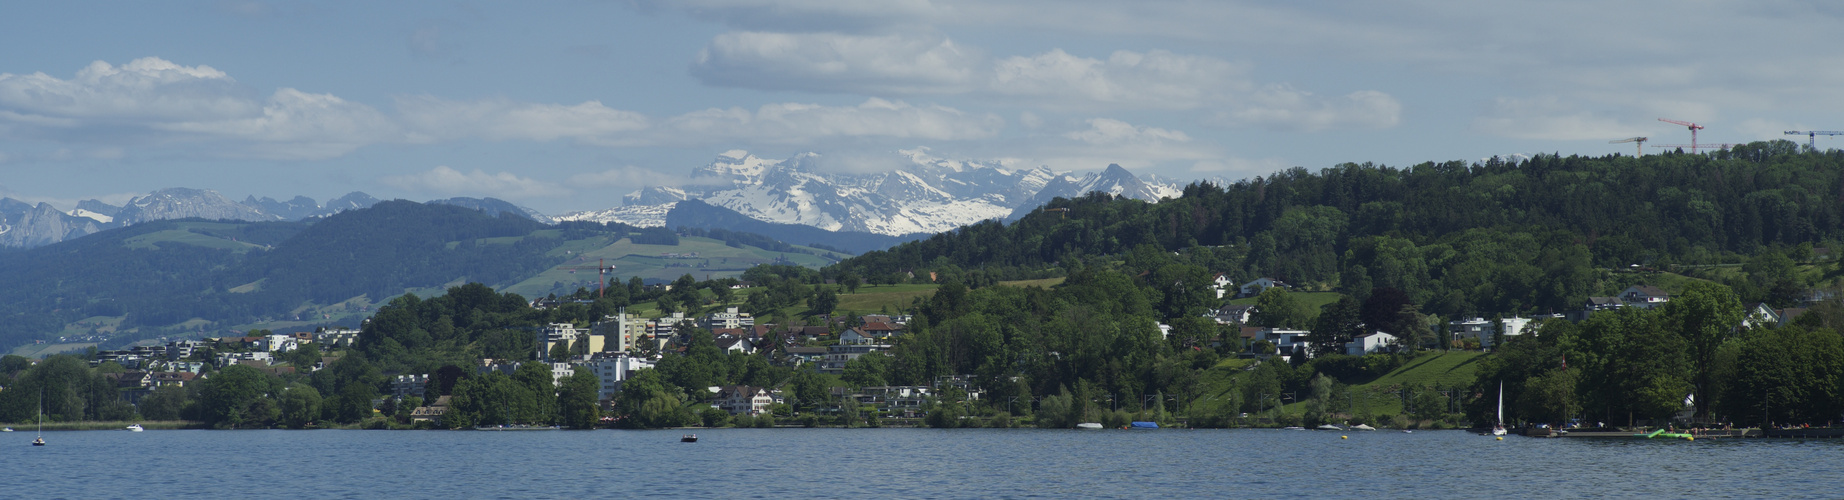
904	463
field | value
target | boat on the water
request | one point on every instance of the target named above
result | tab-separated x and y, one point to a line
40	440
1329	427
1143	425
688	438
135	428
1363	427
7	429
1499	430
1088	425
1293	428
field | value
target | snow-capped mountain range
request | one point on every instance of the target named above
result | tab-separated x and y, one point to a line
925	195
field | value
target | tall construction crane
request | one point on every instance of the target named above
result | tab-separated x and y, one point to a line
1693	131
1638	149
602	269
1812	136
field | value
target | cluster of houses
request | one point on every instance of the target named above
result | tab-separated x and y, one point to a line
1289	343
607	349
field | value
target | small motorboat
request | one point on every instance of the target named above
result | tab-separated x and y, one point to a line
1293	428
1330	427
1363	427
1088	425
688	438
8	429
135	428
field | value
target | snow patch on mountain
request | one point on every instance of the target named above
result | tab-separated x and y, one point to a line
633	215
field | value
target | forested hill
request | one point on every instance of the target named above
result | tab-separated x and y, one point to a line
190	275
1459	238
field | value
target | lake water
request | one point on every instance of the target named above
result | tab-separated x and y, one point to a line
904	463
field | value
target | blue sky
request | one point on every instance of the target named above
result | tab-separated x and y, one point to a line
565	106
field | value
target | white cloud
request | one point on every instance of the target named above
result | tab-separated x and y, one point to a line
836	62
145	89
1548	118
1286	108
589	122
795	123
1156	79
155	101
625	177
297	125
1103	131
803	15
445	181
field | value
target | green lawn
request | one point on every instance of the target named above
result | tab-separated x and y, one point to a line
1378	396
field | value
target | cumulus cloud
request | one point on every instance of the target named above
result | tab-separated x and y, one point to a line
145	89
445	181
796	123
155	101
836	62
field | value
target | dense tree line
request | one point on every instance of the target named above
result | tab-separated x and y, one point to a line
1458	238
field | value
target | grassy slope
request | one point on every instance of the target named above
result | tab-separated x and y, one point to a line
184	235
1446	368
714	260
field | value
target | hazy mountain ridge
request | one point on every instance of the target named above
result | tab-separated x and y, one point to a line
24	225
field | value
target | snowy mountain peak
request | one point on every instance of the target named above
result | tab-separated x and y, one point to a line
927	194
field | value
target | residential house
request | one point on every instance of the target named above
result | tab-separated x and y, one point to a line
432	412
337	337
619	331
1221	284
225	359
1259	285
1234	314
1370	343
742	400
409	385
1761	315
1644	296
838	355
175	379
555	334
489	365
611	369
804	355
729	318
734	343
1483	330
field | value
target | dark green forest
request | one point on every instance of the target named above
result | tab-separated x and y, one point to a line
1458	238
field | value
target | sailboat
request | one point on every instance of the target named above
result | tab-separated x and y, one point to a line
1499	430
40	441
